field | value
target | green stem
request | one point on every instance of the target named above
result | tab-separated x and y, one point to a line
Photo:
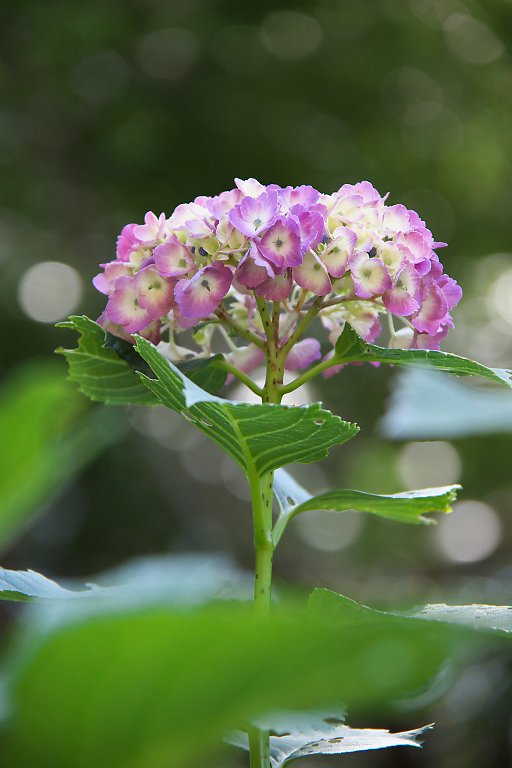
259	748
261	496
240	375
302	325
310	374
239	329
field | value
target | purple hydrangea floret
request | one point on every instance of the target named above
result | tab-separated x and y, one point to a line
215	258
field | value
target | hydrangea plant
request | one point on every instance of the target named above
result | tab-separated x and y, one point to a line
282	279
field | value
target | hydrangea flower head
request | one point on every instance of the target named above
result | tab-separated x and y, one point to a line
350	255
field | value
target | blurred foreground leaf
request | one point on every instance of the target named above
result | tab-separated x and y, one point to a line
406	507
152	688
46	437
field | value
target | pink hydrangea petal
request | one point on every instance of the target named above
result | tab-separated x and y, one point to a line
155	292
172	258
401	298
432	311
124	309
367	325
370	276
311	225
304	353
312	275
246	359
276	288
452	291
395	218
337	254
255	214
152	229
186	213
106	280
281	244
253	269
126	242
250	187
202	294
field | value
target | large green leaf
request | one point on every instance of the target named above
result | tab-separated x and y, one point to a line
147	688
258	437
104	366
350	348
46	438
407	507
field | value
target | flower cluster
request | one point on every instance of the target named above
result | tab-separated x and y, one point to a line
213	259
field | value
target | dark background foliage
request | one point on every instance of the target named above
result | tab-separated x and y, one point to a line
110	110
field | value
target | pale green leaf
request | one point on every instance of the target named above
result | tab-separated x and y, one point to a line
495	618
350	348
406	507
29	585
302	734
429	407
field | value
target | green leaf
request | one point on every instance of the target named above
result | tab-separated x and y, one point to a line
301	734
406	507
187	579
351	348
29	585
104	366
146	687
258	437
495	618
205	372
46	438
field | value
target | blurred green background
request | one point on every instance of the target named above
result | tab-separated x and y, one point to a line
110	110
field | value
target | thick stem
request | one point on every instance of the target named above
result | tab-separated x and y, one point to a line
261	495
259	748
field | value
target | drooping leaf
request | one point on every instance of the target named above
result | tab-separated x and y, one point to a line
258	437
406	507
429	407
301	734
28	585
185	579
352	348
497	618
104	366
46	438
129	688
